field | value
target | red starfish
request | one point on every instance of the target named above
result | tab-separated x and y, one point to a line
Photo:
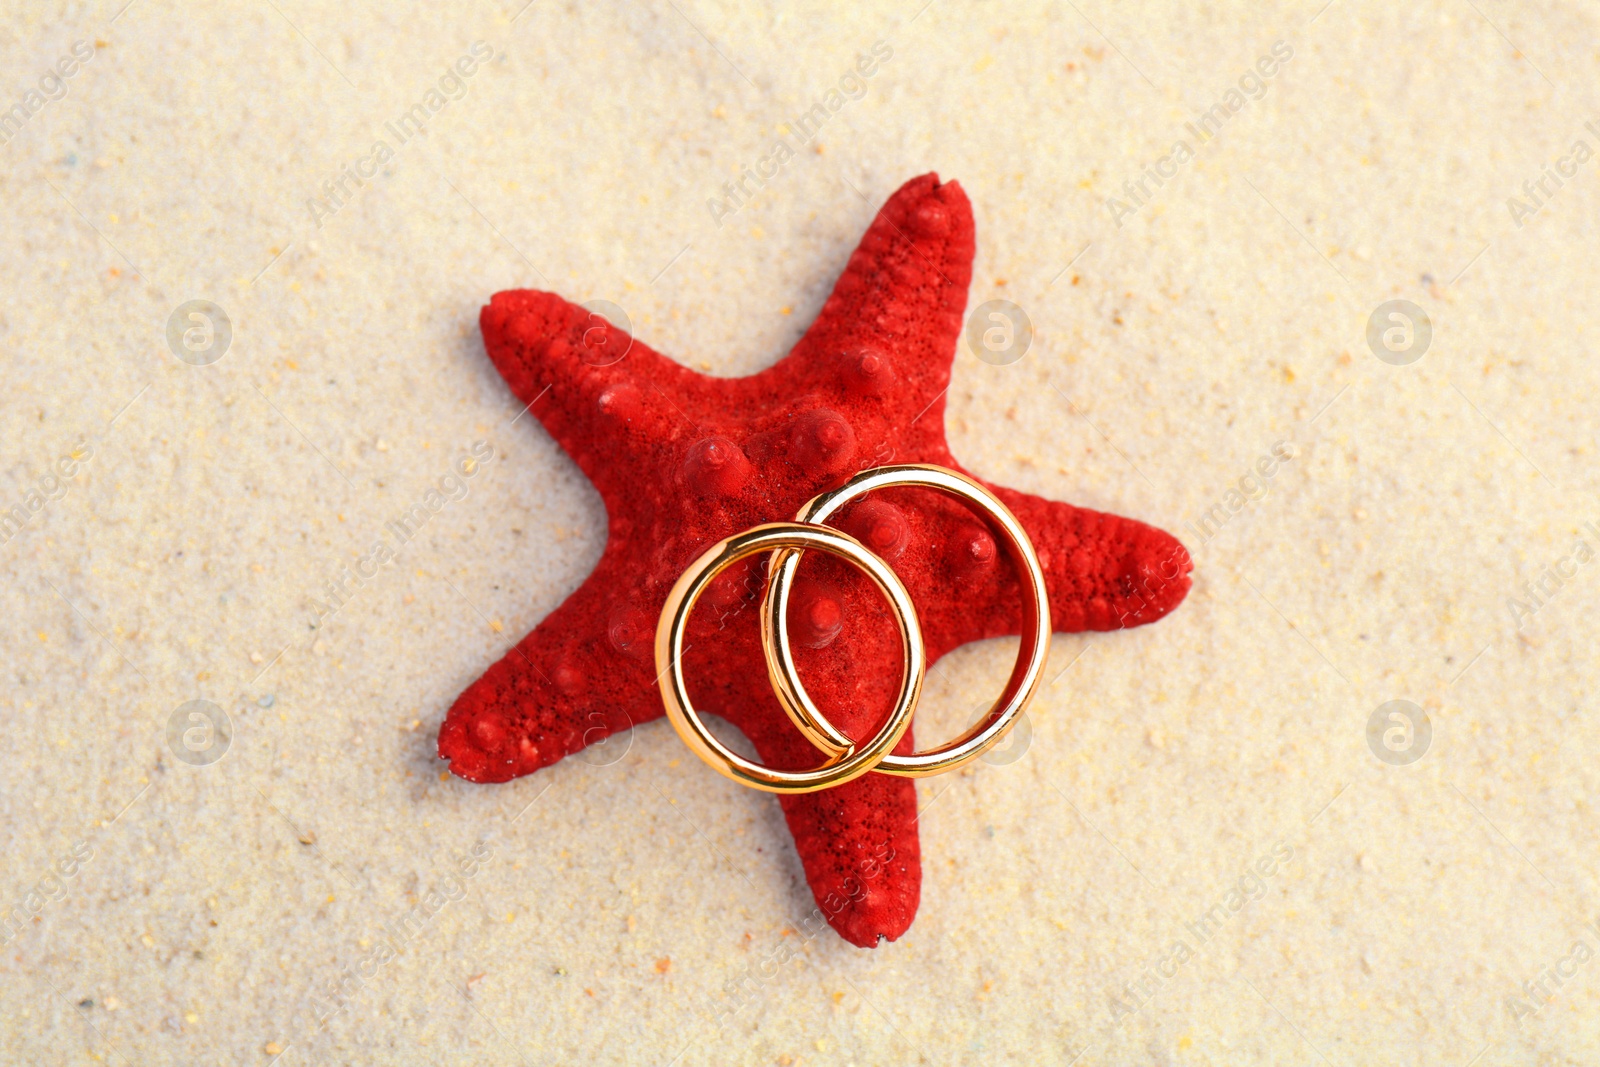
683	459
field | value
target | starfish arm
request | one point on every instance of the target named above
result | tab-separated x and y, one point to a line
1104	572
582	674
858	842
611	401
887	330
859	847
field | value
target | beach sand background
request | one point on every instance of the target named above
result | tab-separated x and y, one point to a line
173	913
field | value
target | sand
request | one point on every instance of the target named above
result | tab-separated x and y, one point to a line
320	894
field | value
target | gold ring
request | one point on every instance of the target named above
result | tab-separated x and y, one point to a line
847	760
1025	676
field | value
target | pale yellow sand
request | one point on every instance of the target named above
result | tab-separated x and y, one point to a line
610	908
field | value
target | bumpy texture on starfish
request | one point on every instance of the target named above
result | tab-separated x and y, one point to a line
682	460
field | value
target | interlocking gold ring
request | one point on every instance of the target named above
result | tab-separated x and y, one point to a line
1035	624
845	762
